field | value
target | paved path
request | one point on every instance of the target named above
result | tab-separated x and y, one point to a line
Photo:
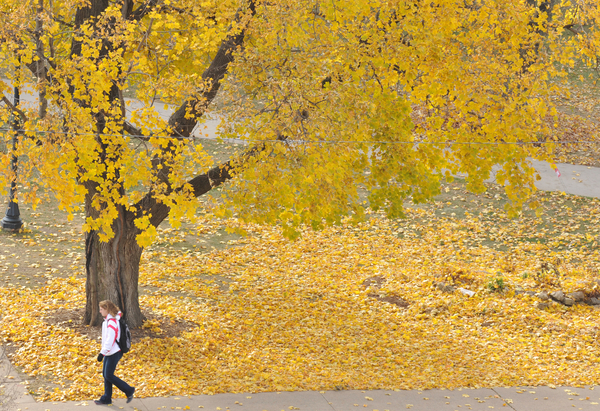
578	180
520	399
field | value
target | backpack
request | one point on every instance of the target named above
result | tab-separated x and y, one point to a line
124	340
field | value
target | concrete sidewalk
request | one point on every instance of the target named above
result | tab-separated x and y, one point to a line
574	179
520	399
515	398
570	178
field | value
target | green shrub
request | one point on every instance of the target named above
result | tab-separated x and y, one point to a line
496	284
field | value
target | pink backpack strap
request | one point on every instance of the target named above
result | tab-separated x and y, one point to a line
114	327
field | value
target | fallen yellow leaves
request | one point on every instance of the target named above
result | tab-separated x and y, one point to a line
274	315
576	127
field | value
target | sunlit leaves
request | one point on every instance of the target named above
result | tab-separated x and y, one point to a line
348	98
270	314
469	83
80	147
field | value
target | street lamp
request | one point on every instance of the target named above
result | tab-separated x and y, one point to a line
12	219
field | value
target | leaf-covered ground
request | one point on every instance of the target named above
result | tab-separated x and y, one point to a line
576	125
347	308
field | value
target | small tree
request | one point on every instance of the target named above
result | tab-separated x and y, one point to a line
331	98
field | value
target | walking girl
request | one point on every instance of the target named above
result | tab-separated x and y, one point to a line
111	353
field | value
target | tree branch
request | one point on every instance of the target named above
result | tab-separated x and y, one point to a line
42	69
203	183
56	19
37	67
570	27
133	130
143	10
15	109
183	121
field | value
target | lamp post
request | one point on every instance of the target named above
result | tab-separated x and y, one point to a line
12	219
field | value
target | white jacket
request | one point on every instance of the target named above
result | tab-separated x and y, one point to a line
110	334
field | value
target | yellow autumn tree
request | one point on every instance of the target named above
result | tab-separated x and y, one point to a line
332	99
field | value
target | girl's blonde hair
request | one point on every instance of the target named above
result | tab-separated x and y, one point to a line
110	307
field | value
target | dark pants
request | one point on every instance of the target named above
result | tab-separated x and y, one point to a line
108	372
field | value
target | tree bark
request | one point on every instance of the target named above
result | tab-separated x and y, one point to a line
112	270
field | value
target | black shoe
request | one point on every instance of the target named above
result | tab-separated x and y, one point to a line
100	402
130	397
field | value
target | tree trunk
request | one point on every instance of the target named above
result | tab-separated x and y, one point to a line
112	270
112	267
